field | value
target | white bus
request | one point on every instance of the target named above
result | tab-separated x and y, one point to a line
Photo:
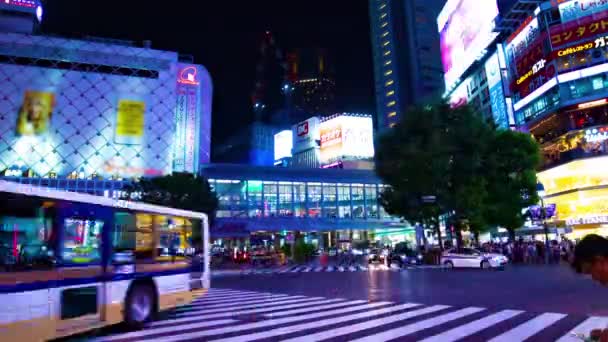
72	262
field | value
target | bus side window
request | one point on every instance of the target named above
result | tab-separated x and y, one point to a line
132	237
175	238
27	237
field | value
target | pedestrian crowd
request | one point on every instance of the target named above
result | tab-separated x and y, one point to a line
532	251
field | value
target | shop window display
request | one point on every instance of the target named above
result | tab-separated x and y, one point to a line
315	194
299	197
329	200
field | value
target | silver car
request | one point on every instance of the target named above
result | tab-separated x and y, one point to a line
470	257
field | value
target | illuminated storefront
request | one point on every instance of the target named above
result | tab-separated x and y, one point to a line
579	190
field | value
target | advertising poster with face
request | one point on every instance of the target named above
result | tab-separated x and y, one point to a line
35	113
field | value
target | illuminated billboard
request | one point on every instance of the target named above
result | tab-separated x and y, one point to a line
578	174
574	10
305	135
466	30
283	142
346	137
96	110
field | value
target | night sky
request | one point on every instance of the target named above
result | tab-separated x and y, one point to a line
225	35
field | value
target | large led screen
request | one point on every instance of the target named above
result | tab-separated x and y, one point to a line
466	29
346	137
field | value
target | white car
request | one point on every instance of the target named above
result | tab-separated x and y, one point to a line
470	257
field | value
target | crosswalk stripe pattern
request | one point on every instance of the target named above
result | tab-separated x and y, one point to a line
240	316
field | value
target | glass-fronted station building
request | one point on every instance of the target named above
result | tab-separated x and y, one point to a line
331	207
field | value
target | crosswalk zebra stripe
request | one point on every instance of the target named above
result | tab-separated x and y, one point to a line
341	268
473	327
297	269
529	328
233	298
285	269
227	292
352	268
223	296
206	298
319	269
251	301
330	269
585	328
228	308
143	333
316	308
318	324
306	269
219	291
308	305
367	325
263	324
418	326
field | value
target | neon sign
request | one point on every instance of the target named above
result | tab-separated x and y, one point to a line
587	220
188	76
592	104
596	134
535	68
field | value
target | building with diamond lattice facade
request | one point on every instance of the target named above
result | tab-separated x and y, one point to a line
97	109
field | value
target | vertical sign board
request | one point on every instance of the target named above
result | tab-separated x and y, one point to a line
497	98
191	114
186	119
179	139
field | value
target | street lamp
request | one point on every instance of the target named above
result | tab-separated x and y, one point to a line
540	190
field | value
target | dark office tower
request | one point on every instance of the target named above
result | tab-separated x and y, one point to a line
314	84
407	61
271	80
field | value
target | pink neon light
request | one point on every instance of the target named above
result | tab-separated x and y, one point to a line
15	243
188	76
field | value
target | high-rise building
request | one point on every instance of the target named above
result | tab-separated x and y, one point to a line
407	63
313	82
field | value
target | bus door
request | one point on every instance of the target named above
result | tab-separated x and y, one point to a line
79	296
200	260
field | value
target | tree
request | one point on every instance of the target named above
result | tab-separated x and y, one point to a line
178	190
513	159
474	173
411	159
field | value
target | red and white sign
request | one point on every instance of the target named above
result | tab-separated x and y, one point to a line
303	129
305	135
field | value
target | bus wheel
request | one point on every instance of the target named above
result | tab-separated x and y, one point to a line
140	306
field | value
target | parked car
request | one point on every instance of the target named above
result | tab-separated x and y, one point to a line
402	255
376	256
240	256
470	257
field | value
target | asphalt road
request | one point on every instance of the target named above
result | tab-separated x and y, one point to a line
529	303
554	288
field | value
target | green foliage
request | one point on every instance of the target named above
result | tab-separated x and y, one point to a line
512	178
473	170
286	249
178	190
303	251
